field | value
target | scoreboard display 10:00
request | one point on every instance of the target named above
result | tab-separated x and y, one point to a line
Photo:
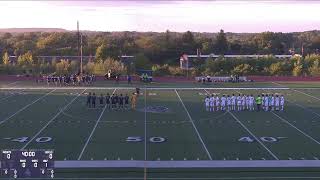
27	163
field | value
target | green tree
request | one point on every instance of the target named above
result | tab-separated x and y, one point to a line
142	62
221	43
6	59
242	69
101	53
314	70
275	68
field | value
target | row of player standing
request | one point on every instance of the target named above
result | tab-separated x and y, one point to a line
244	102
73	79
113	101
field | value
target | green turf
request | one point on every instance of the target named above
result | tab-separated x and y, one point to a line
212	134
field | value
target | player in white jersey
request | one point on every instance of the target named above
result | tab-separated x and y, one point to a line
271	105
212	103
243	101
229	103
239	103
223	103
251	103
266	102
207	103
233	102
282	102
277	102
248	102
218	103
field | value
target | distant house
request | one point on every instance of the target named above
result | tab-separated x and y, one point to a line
238	56
184	61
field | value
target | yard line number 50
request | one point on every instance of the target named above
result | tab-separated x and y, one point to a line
151	139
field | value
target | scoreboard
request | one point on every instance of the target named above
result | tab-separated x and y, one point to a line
27	164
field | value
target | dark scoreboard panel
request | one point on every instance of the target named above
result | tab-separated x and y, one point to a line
27	164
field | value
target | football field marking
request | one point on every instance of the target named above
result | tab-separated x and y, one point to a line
6	97
25	107
293	126
145	124
93	130
304	107
194	126
51	120
145	134
245	127
257	139
12	83
190	178
307	94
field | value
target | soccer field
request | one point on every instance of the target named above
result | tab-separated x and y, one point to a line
170	135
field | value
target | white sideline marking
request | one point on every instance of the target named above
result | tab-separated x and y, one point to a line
287	122
257	139
49	122
194	126
187	164
150	88
307	94
188	178
145	124
25	107
93	130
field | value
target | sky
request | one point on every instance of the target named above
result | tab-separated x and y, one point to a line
158	16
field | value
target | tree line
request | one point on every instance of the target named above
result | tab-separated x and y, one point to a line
161	51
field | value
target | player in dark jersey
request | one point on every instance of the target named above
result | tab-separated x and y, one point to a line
126	101
121	99
101	100
89	100
113	102
48	80
108	101
116	99
94	97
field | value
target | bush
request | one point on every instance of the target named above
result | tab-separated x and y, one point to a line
242	69
160	70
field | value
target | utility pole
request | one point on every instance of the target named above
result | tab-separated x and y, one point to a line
81	59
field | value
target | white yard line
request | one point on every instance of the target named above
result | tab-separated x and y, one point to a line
93	130
257	139
307	94
194	126
304	107
247	129
278	84
25	107
12	83
293	126
51	120
287	122
4	98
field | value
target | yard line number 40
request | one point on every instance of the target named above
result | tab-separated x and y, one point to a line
267	139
